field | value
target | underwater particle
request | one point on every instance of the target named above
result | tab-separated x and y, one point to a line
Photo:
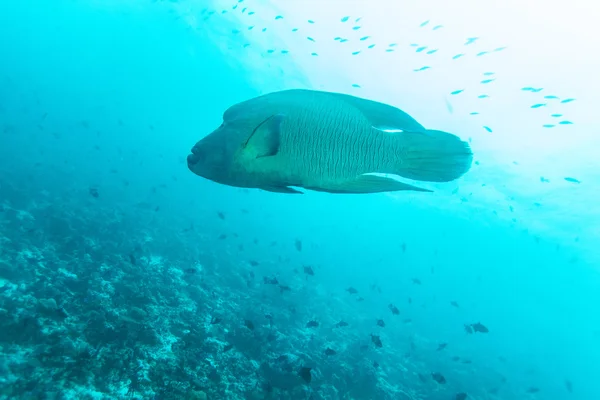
365	38
432	51
311	39
538	105
394	309
439	378
548	126
380	323
345	19
298	244
457	92
532	390
357	19
556	115
355	28
424	23
569	386
572	180
310	21
481	53
483	96
264	30
487	128
485	81
330	352
351	290
355	52
355	85
435	28
94	192
246	45
251	27
421	69
376	341
454	304
416	281
235	31
461	396
305	374
565	123
442	346
420	49
278	17
458	56
544	180
471	40
567	101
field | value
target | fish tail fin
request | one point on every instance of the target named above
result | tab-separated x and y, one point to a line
433	156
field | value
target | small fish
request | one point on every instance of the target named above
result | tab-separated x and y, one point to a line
394	309
221	215
538	105
375	364
249	324
227	348
457	92
416	281
94	192
569	386
351	290
308	270
298	244
461	396
442	346
381	323
305	374
312	324
215	320
532	390
376	341
253	263
572	180
132	259
341	324
477	327
330	352
439	378
567	101
190	270
471	40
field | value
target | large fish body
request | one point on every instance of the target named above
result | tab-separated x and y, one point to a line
327	142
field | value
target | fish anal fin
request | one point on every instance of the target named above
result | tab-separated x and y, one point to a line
264	140
281	189
368	184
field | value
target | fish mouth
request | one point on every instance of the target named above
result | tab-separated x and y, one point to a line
193	159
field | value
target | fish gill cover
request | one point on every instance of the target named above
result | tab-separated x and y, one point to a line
124	275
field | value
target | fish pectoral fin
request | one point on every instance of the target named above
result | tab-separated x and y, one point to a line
281	189
264	140
380	115
368	184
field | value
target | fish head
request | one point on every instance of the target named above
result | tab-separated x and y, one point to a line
229	153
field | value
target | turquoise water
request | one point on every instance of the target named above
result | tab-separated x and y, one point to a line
124	275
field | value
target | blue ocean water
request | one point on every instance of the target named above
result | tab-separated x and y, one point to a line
123	275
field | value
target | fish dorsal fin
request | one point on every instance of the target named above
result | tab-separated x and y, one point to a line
382	116
264	140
